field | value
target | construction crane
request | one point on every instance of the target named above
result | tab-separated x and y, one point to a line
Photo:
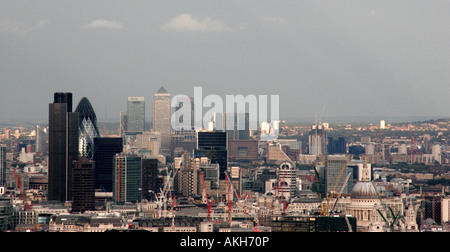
25	203
340	192
255	229
161	197
324	211
205	198
392	220
230	205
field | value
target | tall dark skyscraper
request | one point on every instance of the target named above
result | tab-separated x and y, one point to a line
213	144
63	146
88	128
105	148
149	178
83	185
336	146
2	165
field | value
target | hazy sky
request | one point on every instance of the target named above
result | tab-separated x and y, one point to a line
336	58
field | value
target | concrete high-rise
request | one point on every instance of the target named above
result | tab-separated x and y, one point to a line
161	117
135	115
63	146
41	140
286	174
317	140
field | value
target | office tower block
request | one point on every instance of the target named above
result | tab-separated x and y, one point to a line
213	144
135	114
105	148
150	184
287	181
149	142
182	141
336	146
432	205
123	123
239	127
41	140
88	128
162	114
210	171
317	140
83	182
127	178
187	169
2	166
336	171
63	146
242	150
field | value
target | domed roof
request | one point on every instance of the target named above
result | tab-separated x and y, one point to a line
364	190
86	111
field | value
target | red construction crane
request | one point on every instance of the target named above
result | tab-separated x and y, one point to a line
205	195
230	206
255	229
25	204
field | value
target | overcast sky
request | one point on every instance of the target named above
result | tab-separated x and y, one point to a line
322	57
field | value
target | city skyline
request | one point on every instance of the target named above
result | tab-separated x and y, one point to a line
322	58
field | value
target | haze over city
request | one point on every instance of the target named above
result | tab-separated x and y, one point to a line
336	59
225	117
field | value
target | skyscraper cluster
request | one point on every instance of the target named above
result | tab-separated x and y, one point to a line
82	162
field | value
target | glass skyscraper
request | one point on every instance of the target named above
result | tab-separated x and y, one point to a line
88	128
127	178
105	148
136	114
213	144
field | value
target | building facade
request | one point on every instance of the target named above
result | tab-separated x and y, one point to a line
88	128
63	146
161	121
83	192
127	178
105	148
213	144
135	115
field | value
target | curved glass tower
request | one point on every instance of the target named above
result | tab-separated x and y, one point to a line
88	128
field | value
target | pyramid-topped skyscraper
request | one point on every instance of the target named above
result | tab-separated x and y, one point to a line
162	117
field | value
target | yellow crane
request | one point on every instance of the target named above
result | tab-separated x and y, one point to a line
324	209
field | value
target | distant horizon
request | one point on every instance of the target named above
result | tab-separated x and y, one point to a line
303	120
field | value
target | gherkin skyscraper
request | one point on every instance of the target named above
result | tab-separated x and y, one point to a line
88	128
